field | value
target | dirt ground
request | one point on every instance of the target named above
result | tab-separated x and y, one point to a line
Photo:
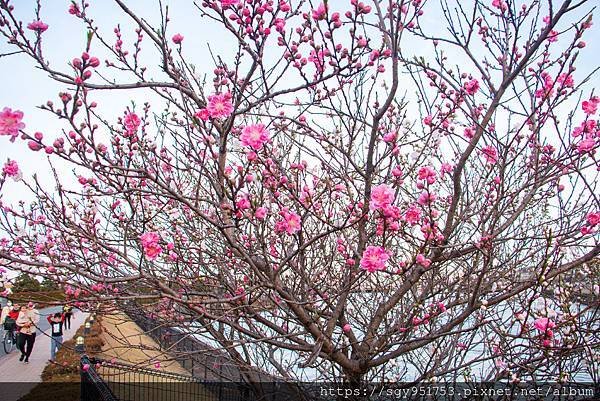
126	342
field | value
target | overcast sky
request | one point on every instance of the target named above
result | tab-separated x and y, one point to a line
25	87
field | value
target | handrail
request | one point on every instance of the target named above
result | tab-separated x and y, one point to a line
148	371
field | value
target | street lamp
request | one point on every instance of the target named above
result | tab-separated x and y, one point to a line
86	329
79	347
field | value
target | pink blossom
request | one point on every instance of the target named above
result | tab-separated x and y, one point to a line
390	137
228	3
472	86
586	145
446	168
254	136
152	251
74	9
177	38
86	367
347	328
544	324
150	244
219	105
382	196
587	127
590	107
291	222
374	258
33	145
552	36
593	219
132	123
425	198
149	238
243	203
547	89
412	215
423	261
11	169
38	26
10	122
320	12
490	154
566	80
500	4
261	213
202	114
427	173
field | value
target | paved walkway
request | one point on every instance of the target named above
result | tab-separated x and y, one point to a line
25	376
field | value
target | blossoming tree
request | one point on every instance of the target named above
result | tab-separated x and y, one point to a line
345	193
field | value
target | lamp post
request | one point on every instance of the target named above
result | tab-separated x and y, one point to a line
86	329
79	344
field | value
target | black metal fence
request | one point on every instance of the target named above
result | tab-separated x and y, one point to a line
204	362
103	380
214	375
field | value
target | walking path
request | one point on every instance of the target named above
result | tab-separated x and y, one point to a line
25	376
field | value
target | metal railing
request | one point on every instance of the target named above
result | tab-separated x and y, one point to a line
103	380
204	362
93	388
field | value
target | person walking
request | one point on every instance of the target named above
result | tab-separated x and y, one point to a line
56	333
27	322
68	313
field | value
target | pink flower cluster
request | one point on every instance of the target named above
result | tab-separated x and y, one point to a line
131	122
472	86
374	259
37	26
150	242
254	136
427	174
490	154
11	169
500	5
382	196
412	215
590	133
177	38
10	122
229	3
219	105
547	90
290	222
320	13
590	107
592	220
545	326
